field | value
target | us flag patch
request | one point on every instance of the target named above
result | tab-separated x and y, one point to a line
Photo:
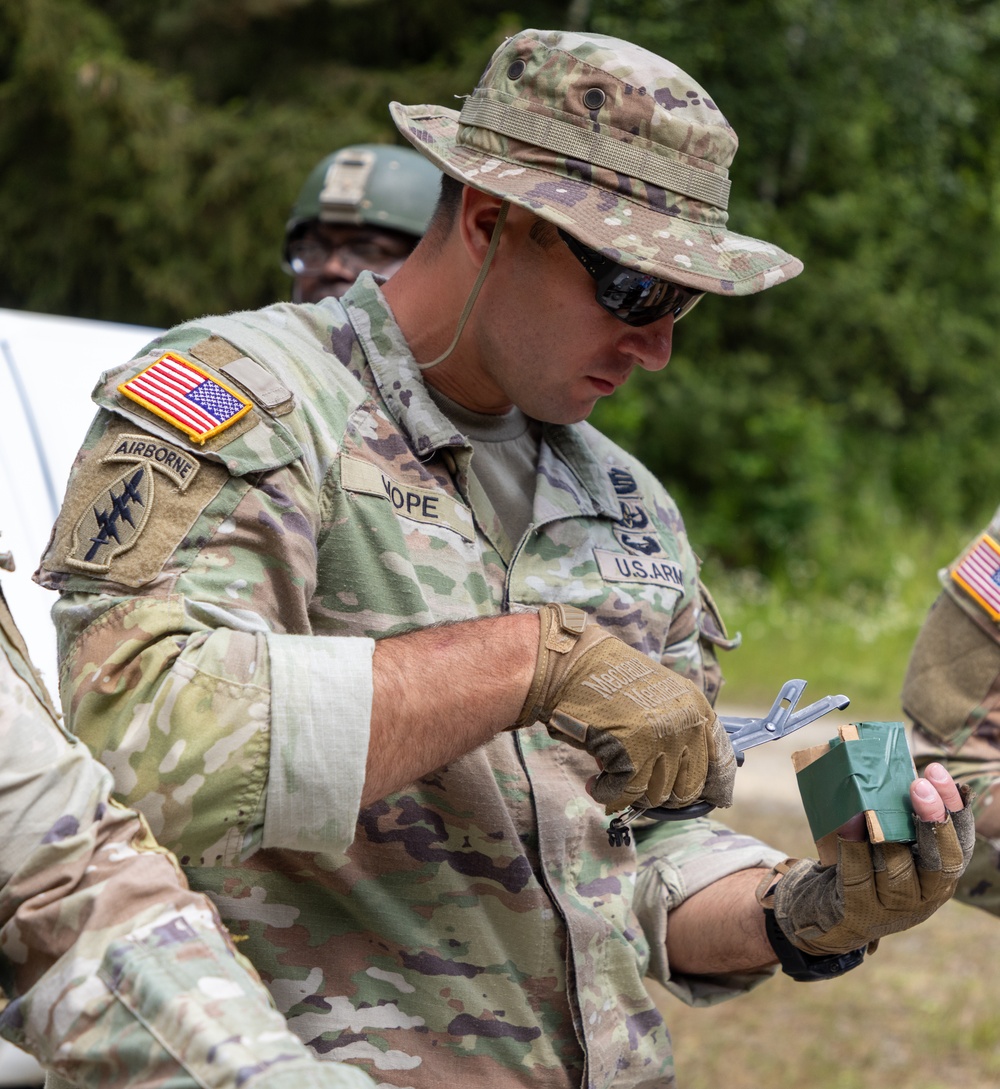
978	574
185	396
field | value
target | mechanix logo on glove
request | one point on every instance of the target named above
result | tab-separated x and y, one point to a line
655	735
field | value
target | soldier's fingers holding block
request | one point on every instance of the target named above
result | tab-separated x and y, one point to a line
936	794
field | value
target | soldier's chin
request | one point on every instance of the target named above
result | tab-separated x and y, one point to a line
328	291
314	294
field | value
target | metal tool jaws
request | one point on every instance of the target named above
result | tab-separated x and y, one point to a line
744	733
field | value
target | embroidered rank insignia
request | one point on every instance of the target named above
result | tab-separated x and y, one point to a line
646	544
978	574
633	517
622	481
186	397
630	529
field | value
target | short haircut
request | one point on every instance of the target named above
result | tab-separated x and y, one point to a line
450	201
446	210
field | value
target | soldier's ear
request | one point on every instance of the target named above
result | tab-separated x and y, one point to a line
476	219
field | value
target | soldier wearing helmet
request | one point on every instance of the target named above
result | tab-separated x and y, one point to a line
383	631
363	207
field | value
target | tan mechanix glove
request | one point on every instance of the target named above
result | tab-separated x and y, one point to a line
655	735
875	889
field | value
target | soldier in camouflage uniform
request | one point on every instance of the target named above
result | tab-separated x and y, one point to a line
351	600
116	974
362	207
952	693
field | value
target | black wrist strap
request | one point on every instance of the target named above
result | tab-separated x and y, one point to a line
803	966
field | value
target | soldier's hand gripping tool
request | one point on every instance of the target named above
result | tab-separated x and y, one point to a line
744	733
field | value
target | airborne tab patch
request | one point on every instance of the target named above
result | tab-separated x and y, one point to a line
185	396
170	460
130	504
120	511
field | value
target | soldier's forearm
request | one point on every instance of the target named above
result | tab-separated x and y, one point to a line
441	692
720	929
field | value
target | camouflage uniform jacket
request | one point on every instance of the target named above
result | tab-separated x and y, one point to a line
116	973
952	693
479	929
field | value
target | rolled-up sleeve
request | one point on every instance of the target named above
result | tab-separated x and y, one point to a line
676	860
319	740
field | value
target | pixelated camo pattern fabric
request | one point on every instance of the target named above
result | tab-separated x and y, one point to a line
115	974
479	930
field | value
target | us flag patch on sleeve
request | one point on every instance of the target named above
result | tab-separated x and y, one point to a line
186	397
978	573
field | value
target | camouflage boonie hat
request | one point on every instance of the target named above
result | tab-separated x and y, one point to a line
616	145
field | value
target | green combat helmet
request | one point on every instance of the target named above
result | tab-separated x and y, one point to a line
373	185
620	148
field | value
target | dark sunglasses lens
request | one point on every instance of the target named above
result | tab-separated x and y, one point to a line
633	297
638	299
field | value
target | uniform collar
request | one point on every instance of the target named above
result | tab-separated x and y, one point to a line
575	444
395	371
402	388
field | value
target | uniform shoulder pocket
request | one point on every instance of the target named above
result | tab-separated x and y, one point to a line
208	399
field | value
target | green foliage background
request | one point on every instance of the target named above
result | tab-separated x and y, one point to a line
150	149
830	441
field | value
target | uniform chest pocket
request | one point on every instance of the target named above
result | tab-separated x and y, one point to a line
415	503
398	551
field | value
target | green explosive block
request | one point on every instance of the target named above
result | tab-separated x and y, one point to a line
873	772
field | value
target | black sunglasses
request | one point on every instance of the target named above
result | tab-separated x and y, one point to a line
635	298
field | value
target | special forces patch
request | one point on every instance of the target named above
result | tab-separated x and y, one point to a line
114	521
119	513
132	501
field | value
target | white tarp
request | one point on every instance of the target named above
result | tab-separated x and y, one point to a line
48	366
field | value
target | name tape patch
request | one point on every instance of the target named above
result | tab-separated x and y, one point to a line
622	567
186	397
415	503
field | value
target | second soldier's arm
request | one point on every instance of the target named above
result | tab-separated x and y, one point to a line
116	973
952	694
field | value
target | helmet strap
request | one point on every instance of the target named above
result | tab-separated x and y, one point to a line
474	293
